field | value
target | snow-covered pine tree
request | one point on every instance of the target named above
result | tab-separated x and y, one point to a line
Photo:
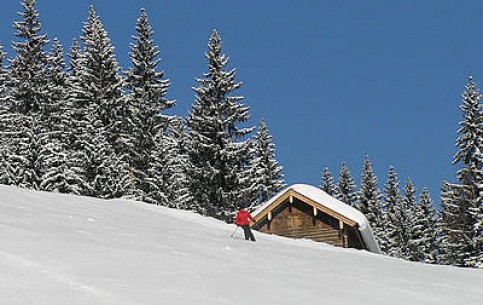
155	177
51	123
11	165
461	202
25	149
57	174
327	183
265	177
393	235
101	81
423	244
145	102
167	175
107	168
28	79
440	252
98	112
471	175
370	203
6	170
178	191
28	68
82	150
4	92
79	153
75	60
346	186
477	259
407	219
451	237
94	162
218	154
56	90
3	76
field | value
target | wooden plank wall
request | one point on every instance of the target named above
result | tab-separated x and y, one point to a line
297	221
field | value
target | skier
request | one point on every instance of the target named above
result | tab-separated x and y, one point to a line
243	219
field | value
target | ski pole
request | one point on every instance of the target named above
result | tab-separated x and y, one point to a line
234	231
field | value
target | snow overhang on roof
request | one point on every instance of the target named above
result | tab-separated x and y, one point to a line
325	201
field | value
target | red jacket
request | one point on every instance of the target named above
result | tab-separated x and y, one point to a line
242	219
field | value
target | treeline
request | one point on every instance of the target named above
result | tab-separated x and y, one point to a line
409	226
405	225
84	126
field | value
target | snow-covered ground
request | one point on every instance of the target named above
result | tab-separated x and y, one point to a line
60	249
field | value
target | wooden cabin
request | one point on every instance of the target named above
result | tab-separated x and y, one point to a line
303	211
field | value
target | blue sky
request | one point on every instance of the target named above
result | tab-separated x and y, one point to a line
334	80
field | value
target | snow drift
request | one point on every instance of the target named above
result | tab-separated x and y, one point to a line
62	249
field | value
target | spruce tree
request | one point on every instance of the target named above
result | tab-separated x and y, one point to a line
346	186
265	177
370	203
451	240
217	150
107	166
78	119
145	102
57	174
423	244
11	167
167	175
6	170
25	150
462	201
477	259
4	92
94	160
101	81
97	112
28	68
51	123
407	219
327	183
393	235
178	192
155	177
440	252
28	79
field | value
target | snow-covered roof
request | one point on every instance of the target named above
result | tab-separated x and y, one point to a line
325	200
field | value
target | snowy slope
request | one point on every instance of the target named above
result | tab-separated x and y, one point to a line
59	249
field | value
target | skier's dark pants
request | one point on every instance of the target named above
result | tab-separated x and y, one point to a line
248	233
